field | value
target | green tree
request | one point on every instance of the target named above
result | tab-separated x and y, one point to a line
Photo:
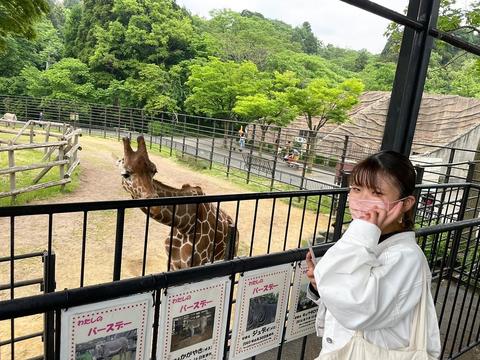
247	36
320	102
147	89
378	76
307	67
19	52
215	86
305	36
19	16
68	79
269	108
361	61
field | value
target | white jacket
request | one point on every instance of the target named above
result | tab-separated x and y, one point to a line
373	287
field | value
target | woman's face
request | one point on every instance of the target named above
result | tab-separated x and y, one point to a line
385	192
363	199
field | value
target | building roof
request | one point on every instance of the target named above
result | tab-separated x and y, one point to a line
442	120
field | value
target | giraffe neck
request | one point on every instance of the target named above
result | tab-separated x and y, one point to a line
185	214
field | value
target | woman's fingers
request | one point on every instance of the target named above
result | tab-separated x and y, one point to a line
394	213
310	265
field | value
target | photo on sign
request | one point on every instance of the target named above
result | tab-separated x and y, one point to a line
304	303
113	347
262	310
193	328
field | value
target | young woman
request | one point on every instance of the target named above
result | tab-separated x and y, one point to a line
371	279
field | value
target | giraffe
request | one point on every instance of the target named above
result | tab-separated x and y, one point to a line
202	226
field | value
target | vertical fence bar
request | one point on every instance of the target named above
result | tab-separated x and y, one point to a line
466	191
342	204
156	317
31	134
249	163
160	133
173	127
343	157
12	281
213	145
47	136
84	248
229	315
49	317
275	158
446	181
229	157
118	128
184	135
150	130
197	140
418	180
90	122
11	163
61	167
105	123
117	265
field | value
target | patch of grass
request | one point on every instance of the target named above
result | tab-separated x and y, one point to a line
25	178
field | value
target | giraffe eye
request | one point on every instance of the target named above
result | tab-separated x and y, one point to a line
126	175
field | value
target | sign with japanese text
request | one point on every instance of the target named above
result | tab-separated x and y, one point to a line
260	311
103	330
193	319
303	311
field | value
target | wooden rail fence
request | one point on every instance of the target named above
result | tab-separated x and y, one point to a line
60	144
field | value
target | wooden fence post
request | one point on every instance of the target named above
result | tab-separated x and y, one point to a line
47	135
31	132
61	153
11	163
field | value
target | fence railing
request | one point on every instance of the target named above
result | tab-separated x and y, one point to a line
454	287
60	153
98	242
215	141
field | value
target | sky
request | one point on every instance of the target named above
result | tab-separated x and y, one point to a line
333	21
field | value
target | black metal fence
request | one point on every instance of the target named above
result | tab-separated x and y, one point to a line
98	242
455	289
214	142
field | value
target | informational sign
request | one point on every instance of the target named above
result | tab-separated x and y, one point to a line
302	311
260	311
193	318
120	327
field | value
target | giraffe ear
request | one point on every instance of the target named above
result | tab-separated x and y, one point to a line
141	147
126	146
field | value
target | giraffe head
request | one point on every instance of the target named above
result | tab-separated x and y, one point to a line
137	170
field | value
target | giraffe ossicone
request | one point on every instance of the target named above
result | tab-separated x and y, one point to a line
200	233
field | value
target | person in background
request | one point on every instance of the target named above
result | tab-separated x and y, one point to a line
372	278
40	118
241	140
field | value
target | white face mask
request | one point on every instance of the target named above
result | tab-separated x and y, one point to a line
359	208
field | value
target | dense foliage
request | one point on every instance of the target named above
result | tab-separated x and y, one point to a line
155	55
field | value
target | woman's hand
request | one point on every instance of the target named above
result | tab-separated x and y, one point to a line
382	218
311	268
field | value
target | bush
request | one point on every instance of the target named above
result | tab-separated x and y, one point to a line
157	128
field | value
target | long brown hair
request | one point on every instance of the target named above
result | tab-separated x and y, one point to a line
392	165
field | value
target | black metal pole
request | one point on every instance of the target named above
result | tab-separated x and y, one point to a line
117	265
410	78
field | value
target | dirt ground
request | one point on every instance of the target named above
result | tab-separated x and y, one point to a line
100	180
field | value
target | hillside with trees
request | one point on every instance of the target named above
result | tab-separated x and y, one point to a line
155	55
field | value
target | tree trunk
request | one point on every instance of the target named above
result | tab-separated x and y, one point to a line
310	155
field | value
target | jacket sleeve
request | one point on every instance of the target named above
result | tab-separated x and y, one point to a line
360	291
